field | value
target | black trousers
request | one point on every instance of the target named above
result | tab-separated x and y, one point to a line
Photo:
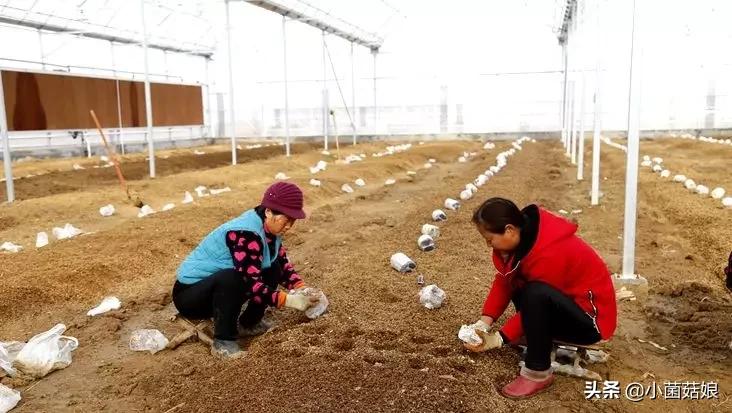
221	296
548	314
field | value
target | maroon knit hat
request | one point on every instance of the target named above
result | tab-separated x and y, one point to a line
286	198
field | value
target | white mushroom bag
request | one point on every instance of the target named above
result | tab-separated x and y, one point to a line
9	398
46	352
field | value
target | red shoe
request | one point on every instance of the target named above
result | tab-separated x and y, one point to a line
521	387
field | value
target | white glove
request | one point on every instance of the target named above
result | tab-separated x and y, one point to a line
480	325
299	302
490	341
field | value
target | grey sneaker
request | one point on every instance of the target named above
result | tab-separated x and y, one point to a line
226	349
261	327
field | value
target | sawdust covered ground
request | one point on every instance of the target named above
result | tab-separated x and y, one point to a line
38	178
377	349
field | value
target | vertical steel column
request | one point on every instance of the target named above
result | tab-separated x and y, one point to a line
374	52
148	99
325	100
631	171
581	143
40	46
231	85
120	137
209	127
575	124
287	102
165	64
595	191
7	157
570	129
353	98
564	94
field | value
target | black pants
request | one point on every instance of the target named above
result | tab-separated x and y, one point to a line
221	296
547	314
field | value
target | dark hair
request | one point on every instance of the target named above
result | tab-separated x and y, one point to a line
495	213
259	209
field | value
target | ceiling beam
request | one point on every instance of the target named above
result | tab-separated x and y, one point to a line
373	43
101	36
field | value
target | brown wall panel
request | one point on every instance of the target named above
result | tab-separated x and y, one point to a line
36	101
132	101
173	103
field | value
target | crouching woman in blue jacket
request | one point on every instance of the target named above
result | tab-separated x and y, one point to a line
243	261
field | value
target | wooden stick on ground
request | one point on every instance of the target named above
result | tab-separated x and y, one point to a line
113	156
335	129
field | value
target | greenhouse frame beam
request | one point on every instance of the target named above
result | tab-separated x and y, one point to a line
100	36
373	44
569	10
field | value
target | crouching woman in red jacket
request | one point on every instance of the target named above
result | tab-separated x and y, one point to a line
560	286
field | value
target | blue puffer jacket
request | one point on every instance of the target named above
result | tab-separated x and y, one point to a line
213	255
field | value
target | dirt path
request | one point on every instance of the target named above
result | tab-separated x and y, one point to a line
40	179
377	349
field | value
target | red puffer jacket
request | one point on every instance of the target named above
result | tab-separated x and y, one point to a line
563	260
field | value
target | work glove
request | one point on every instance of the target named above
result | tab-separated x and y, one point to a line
480	325
490	341
299	302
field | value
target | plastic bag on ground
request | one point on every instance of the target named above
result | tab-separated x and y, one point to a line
390	181
10	247
431	230
145	211
9	398
219	191
314	182
718	193
107	304
147	340
402	263
346	188
201	191
439	215
426	243
46	352
8	353
318	309
452	204
107	210
432	296
168	207
68	231
187	198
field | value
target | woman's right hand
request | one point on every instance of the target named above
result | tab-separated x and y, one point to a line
299	302
484	323
489	342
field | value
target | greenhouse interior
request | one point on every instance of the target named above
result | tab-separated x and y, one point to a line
181	232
